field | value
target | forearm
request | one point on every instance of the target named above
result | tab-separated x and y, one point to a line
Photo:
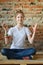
5	36
31	38
8	38
34	31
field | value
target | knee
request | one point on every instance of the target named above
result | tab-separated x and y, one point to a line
3	51
34	50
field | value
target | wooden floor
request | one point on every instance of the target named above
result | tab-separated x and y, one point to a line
37	59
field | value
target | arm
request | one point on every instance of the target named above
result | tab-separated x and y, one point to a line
6	37
31	38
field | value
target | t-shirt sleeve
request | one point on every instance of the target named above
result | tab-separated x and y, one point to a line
28	32
10	32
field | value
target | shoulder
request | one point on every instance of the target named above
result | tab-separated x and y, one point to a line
26	28
12	28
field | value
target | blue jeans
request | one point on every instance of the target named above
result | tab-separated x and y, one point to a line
18	53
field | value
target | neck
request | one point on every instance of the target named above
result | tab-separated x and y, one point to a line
20	25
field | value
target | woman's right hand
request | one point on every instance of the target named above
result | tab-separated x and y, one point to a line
4	26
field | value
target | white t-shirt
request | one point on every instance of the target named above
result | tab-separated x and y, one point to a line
19	37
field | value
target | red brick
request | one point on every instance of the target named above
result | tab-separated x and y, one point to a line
37	6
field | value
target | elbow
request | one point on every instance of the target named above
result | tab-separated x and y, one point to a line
31	41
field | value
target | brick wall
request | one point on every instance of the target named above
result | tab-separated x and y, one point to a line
33	10
38	40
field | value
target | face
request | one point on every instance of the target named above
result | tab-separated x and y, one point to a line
19	18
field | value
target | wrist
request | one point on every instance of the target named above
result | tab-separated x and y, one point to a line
6	33
34	32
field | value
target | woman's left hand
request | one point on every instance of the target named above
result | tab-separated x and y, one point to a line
34	27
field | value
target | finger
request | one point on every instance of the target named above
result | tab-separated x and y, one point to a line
35	25
2	23
32	26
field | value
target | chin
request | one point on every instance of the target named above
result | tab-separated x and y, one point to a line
20	23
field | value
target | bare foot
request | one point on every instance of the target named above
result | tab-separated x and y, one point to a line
26	58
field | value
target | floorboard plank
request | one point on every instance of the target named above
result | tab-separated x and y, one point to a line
37	59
